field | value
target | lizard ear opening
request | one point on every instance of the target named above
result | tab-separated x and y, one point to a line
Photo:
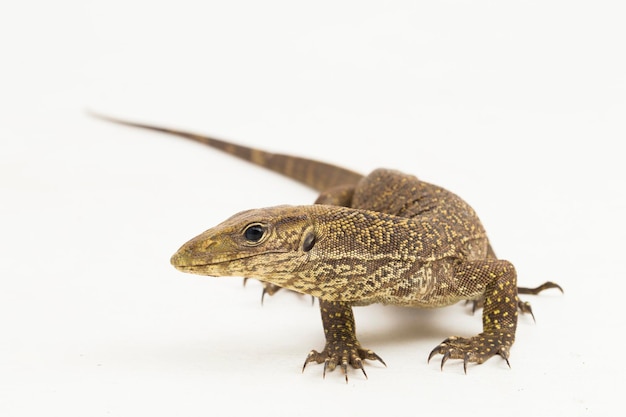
308	242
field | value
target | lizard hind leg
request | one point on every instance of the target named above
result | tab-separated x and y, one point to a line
500	306
524	306
342	347
545	286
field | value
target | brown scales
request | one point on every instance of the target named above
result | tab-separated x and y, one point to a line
383	238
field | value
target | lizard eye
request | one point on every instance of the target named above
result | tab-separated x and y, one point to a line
254	232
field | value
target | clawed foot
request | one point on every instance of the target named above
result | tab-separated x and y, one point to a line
476	349
342	354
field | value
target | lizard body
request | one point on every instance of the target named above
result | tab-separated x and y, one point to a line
387	237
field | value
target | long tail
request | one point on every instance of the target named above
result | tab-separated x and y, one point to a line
315	174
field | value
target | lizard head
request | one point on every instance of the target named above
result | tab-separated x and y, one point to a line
266	244
331	252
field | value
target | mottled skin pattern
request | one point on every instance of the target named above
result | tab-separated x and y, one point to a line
382	238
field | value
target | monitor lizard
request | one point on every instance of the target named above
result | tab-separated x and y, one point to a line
386	237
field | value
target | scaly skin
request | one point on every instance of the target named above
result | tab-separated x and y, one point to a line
434	258
384	238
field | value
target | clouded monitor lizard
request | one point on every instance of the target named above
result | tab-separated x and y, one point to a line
386	237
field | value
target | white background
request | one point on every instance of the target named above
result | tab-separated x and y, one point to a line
517	106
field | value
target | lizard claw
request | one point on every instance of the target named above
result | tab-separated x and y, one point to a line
476	304
525	308
271	289
505	355
446	355
465	361
342	356
445	358
268	288
475	349
438	349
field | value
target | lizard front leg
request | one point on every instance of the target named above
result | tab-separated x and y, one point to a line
342	347
499	282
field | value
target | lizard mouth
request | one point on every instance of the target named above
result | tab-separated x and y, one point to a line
196	269
188	264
